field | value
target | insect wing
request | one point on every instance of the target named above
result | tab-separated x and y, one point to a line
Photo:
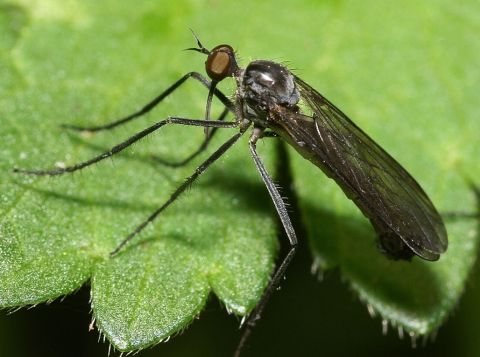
383	190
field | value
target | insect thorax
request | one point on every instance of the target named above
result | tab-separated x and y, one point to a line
264	85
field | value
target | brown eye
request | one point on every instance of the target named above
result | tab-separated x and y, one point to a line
220	63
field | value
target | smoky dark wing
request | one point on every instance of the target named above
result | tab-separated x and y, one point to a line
384	191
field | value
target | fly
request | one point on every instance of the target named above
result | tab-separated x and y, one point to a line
271	101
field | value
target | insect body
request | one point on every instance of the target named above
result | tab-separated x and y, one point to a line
272	100
400	211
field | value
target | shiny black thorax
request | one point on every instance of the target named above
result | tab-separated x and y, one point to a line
264	86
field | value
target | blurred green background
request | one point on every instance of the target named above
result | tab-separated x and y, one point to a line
344	49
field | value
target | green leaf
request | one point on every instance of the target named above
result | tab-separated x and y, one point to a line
404	76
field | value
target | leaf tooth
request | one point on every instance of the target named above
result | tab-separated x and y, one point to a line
413	339
384	326
371	310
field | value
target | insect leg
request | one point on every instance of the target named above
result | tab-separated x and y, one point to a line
255	315
195	75
120	147
211	91
202	147
198	171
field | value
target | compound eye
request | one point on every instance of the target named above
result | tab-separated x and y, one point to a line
220	63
